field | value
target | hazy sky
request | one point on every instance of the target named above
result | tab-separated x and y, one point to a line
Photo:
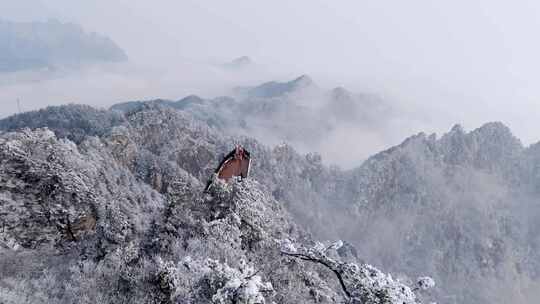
460	61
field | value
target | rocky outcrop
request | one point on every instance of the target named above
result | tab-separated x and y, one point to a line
54	193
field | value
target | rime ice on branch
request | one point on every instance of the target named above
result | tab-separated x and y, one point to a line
361	283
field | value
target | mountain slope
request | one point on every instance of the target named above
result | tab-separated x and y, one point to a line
74	122
278	89
121	217
462	208
458	202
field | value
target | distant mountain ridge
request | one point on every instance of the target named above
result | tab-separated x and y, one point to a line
239	63
296	111
277	89
36	45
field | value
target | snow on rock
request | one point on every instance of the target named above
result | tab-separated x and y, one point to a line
425	283
54	193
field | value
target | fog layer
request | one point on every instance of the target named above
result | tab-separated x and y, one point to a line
462	62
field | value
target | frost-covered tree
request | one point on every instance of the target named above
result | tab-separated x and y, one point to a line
361	283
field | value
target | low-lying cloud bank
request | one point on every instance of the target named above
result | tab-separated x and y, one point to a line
344	132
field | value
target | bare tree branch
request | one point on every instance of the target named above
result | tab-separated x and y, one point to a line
310	259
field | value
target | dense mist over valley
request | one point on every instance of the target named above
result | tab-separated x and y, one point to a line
392	150
449	72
